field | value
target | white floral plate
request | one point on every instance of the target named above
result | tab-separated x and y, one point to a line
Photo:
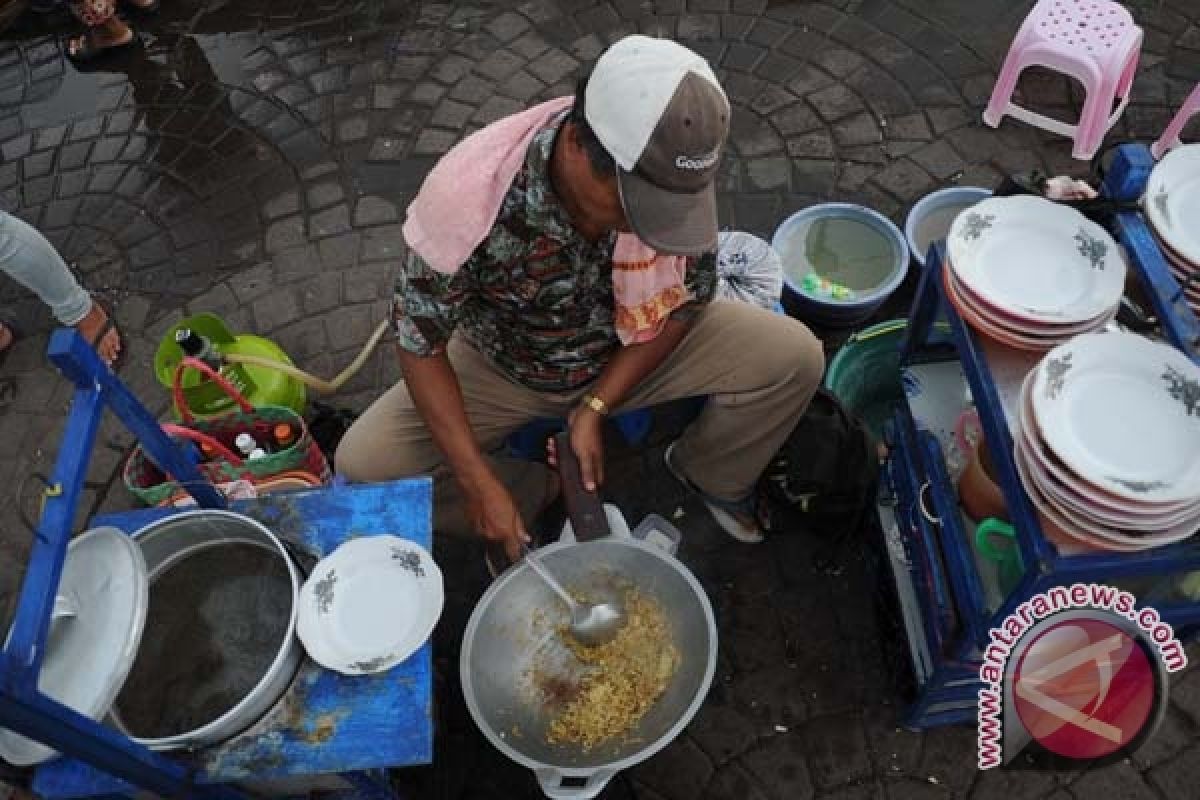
1172	201
369	604
1123	413
1070	490
1080	526
1037	260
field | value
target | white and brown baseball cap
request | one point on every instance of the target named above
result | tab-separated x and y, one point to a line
659	111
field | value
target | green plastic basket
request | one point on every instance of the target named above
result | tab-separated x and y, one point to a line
865	374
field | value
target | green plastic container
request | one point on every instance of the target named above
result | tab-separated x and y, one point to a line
865	374
261	386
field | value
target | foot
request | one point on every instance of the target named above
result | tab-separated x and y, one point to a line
97	42
7	337
101	333
736	521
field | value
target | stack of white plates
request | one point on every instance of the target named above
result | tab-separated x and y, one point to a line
1030	273
1108	446
1172	205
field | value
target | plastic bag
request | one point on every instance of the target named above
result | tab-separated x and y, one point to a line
748	269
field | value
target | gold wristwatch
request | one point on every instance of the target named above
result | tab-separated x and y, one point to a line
595	404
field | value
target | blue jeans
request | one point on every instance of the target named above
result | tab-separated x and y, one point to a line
31	261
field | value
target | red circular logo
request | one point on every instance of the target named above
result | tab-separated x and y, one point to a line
1084	688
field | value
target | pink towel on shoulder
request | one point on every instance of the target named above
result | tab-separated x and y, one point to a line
461	198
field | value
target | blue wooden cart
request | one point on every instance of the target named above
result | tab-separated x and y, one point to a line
944	572
329	731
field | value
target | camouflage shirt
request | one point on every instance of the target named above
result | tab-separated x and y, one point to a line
535	297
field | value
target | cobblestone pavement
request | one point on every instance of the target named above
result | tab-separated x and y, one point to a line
254	162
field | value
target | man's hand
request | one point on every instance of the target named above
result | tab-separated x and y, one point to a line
495	515
587	441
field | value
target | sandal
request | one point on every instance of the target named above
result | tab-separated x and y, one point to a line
139	10
735	518
10	328
89	51
108	326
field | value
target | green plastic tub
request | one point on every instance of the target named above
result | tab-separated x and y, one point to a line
865	374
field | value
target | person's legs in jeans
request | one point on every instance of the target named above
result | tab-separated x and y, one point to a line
390	440
29	259
759	370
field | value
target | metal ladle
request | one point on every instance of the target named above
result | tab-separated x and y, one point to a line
592	624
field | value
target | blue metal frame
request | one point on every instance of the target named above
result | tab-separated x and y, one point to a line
920	456
22	707
98	760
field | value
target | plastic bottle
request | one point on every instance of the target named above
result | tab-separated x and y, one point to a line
285	436
245	444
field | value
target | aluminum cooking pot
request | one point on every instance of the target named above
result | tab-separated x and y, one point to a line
169	541
512	652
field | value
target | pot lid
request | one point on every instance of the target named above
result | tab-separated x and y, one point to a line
98	616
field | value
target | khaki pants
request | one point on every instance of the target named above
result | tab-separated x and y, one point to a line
760	370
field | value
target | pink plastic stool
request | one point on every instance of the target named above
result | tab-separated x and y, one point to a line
1093	41
1170	138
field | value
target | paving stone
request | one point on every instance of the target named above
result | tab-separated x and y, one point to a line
752	136
1118	781
679	772
296	262
949	757
811	146
433	142
340	251
499	65
282	204
303	339
320	293
427	94
552	66
369	282
860	129
387	148
349	326
795	119
912	127
451	114
835	102
722	732
353	129
285	233
371	210
1012	784
938	159
507	26
779	765
836	749
732	782
325	194
388	96
383	243
331	221
522	86
768	173
275	309
770	697
496	108
472	90
905	180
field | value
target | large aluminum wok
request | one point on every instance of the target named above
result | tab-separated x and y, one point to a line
513	659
